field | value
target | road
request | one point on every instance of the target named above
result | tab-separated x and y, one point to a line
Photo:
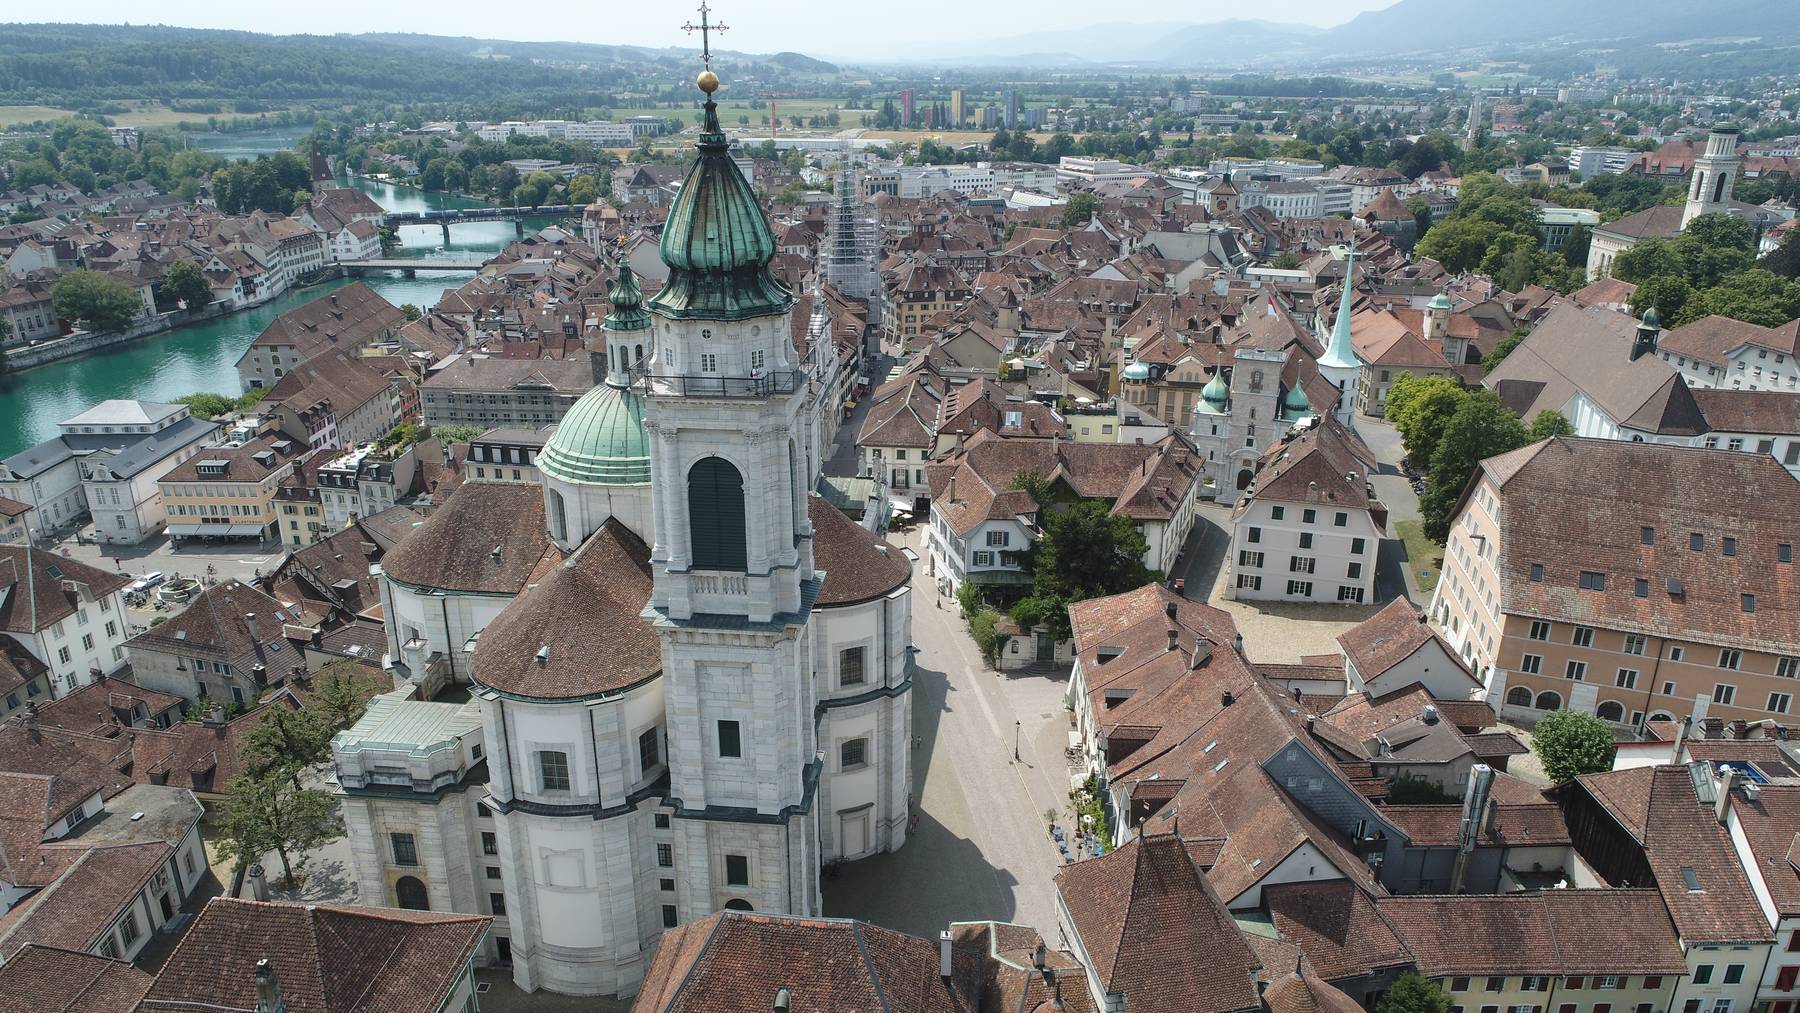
981	850
1396	493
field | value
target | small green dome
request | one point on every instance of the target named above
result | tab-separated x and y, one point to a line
1215	393
627	298
1296	402
1652	319
717	242
1136	371
601	441
1439	302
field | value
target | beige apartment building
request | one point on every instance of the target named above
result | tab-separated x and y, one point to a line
229	492
1627	580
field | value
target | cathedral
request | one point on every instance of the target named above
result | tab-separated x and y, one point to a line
689	677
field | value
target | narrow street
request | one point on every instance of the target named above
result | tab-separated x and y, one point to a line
982	848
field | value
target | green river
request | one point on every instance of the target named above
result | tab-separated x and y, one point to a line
201	358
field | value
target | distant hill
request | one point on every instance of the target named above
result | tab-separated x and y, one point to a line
1432	25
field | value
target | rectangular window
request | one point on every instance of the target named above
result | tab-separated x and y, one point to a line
1576	670
1784	553
996	538
1729	546
850	666
1635	643
1308	515
1255	535
1341	519
1627	678
737	870
406	852
1356	546
1647	535
1640	588
1350	594
660	821
668	913
1249	558
553	770
649	755
128	928
497	904
1301	564
1724	693
1780	702
729	743
1747	602
853	754
1459	984
1249	582
1537	573
1697	542
1582	636
1540	630
1730	659
1608	981
1353	571
1531	664
1652	981
1677	653
1277	512
1787	668
1300	588
1306	541
490	845
1592	580
665	855
1534	983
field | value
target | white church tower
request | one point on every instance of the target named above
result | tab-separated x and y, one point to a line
733	556
1714	173
1340	364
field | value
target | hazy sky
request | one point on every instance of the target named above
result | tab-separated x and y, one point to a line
813	26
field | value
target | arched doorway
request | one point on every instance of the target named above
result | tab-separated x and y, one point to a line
716	516
1611	710
735	904
409	893
1244	478
1518	696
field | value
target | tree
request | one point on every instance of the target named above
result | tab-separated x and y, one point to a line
184	283
1079	210
1085	551
1502	348
1286	260
1571	743
1482	427
340	693
1548	423
1420	407
1458	243
1411	993
410	311
271	813
456	434
286	742
206	406
100	301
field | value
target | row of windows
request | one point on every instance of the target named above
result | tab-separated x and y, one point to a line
1309	515
1357	545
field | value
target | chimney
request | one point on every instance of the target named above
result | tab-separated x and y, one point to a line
1429	714
1202	651
1169	609
1037	955
945	968
1237	644
1174	638
259	882
1476	799
31	722
1226	698
1728	780
1681	733
783	1000
268	990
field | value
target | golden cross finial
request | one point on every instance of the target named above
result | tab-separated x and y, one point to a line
705	28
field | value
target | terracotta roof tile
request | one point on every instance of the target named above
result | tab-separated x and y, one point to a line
45	979
487	538
1556	932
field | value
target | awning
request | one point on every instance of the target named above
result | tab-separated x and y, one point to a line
245	530
215	530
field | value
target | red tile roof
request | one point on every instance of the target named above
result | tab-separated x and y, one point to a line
45	979
1556	932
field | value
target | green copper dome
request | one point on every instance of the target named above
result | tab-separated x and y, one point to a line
627	298
601	441
1439	302
1136	371
717	242
1652	320
1296	403
1214	395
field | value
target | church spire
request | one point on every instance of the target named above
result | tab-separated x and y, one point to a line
716	242
1342	352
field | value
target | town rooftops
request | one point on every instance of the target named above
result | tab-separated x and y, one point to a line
1711	565
859	566
1325	465
125	413
974	482
1711	339
48	979
543	645
1554	932
232	622
252	462
346	319
124	453
1587	350
1156	931
1389	637
326	958
394	722
487	538
495	373
51	591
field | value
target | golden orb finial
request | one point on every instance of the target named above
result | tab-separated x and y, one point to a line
708	81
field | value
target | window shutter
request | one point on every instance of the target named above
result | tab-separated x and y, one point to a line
716	516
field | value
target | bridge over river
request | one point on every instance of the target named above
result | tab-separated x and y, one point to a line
476	214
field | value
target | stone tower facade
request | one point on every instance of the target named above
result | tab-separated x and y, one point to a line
1715	171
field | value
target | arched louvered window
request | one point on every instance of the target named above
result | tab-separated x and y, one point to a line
409	893
716	516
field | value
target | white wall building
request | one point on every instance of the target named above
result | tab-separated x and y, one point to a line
1308	527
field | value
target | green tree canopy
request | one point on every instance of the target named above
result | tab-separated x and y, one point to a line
206	405
1548	423
1411	993
99	301
1571	743
1480	428
1085	551
340	692
1503	348
184	282
1420	407
285	742
271	813
1079	210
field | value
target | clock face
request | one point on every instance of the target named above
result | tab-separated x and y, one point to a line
1220	203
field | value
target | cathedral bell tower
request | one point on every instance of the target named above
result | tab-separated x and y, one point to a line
734	583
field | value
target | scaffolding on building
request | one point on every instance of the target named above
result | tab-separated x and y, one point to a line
852	240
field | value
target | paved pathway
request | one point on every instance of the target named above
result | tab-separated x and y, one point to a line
981	849
1396	493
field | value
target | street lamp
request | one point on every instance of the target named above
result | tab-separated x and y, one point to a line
1016	740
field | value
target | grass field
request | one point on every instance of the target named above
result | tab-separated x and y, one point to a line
142	114
1422	554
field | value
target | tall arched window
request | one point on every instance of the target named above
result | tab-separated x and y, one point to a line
559	524
1719	186
409	893
1548	701
716	516
1518	696
1611	710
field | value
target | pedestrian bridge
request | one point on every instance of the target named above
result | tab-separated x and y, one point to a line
452	215
409	264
